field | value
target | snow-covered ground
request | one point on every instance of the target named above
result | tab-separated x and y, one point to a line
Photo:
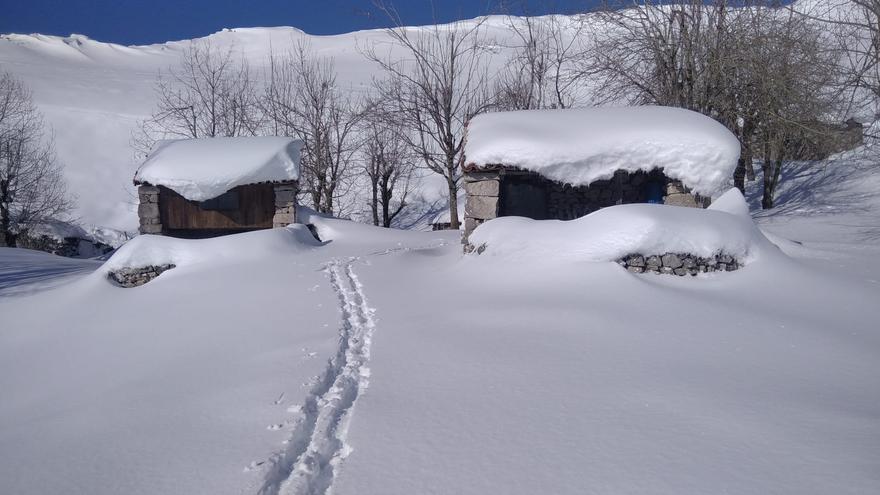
382	361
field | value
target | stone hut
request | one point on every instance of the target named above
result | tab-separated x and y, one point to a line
214	186
564	164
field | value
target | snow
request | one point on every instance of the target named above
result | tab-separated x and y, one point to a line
611	233
25	271
147	250
382	361
580	146
200	169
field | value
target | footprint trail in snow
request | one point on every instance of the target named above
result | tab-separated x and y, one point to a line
316	447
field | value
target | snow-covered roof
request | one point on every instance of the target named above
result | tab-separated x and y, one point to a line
200	169
580	146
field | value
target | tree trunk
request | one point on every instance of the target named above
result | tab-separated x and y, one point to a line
772	169
374	201
6	237
739	176
767	199
386	202
453	203
748	155
750	168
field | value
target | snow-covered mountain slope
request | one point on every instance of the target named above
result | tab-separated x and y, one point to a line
383	361
94	93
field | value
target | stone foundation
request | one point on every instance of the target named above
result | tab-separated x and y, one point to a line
680	264
285	205
482	190
148	210
134	277
70	247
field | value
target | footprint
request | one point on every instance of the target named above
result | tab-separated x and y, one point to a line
253	465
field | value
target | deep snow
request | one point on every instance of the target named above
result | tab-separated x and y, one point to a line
381	361
612	233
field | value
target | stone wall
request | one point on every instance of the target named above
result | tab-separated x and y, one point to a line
134	277
678	195
148	210
569	202
680	264
70	247
506	192
482	190
285	205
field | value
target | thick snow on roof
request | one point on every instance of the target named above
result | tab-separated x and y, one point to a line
200	169
579	146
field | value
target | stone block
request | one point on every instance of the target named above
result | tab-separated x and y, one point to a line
681	199
282	219
483	188
675	187
155	228
482	207
148	198
148	210
480	176
635	260
671	261
470	224
286	195
146	189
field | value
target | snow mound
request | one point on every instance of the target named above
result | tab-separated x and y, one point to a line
200	169
732	202
614	232
154	250
580	146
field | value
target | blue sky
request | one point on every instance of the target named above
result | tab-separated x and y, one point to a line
153	21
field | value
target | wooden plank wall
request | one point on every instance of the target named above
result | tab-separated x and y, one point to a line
256	208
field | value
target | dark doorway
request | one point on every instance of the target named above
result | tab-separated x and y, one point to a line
524	195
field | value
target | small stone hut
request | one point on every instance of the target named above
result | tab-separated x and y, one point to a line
564	164
207	187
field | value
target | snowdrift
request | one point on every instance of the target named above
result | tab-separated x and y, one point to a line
155	250
611	233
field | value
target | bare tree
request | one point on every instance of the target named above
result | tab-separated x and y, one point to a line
757	69
32	187
540	72
302	99
853	29
436	87
210	94
388	165
792	81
